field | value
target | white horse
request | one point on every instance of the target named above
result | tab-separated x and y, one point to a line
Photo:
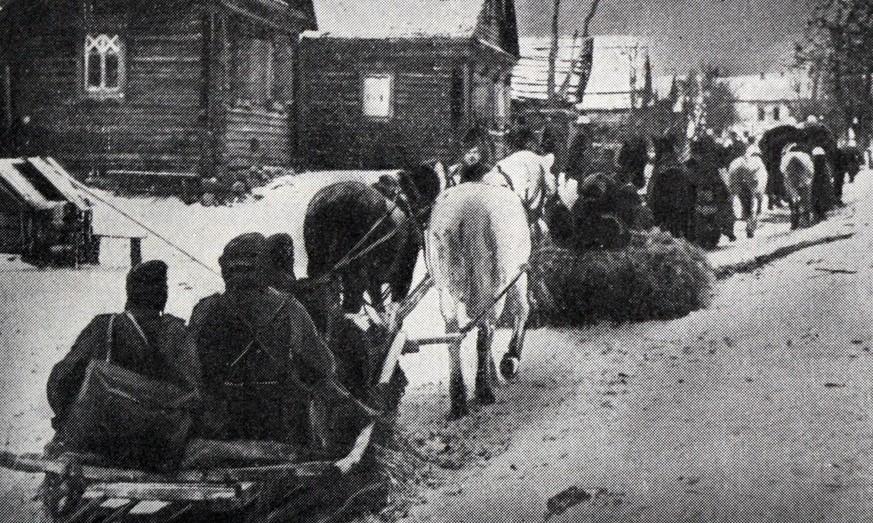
747	180
528	175
478	245
797	169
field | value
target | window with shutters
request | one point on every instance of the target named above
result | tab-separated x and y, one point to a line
104	66
378	96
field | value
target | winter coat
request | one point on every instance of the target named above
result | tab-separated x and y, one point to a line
169	355
822	189
671	198
264	365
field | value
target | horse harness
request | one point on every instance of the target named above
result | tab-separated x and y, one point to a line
534	205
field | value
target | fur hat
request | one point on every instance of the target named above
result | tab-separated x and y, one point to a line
476	136
244	251
280	252
147	286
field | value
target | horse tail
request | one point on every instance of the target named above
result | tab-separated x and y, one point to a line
474	259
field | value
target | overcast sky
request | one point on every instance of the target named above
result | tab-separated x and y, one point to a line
744	36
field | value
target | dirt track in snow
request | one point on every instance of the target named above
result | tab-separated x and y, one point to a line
755	409
43	311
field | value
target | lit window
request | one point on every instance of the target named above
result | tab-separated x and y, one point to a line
378	96
104	65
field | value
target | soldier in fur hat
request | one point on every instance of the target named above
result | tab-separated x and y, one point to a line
265	368
142	339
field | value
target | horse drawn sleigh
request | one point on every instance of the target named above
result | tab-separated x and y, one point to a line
285	489
275	486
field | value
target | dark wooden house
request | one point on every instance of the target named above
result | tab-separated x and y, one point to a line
387	83
148	88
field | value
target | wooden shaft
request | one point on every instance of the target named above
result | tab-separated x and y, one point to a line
135	251
436	340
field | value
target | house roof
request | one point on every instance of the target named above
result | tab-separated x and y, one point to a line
615	58
770	87
39	183
379	19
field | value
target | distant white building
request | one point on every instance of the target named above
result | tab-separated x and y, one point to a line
766	100
617	80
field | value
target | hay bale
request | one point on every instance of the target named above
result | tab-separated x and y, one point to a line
656	277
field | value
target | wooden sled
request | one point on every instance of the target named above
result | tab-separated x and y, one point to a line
78	492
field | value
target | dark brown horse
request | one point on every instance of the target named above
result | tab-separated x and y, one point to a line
369	238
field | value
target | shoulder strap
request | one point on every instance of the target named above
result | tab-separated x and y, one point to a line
109	339
137	327
255	329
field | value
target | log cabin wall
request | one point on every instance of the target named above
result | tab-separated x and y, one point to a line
259	110
152	123
433	100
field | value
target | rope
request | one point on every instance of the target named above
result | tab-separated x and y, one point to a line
475	322
155	233
348	258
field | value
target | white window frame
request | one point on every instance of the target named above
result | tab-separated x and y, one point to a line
388	113
104	45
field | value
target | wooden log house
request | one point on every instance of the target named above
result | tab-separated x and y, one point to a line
385	84
152	90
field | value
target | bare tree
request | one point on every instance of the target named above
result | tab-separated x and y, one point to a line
580	65
839	50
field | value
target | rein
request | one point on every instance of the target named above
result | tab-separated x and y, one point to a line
354	254
534	211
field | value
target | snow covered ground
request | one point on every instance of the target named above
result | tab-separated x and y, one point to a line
41	312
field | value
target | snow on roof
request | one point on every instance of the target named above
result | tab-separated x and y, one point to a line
770	87
615	58
396	18
23	189
662	86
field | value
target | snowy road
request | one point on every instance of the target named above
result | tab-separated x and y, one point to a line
757	409
42	311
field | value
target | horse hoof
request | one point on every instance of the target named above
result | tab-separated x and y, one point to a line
485	397
458	412
509	367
